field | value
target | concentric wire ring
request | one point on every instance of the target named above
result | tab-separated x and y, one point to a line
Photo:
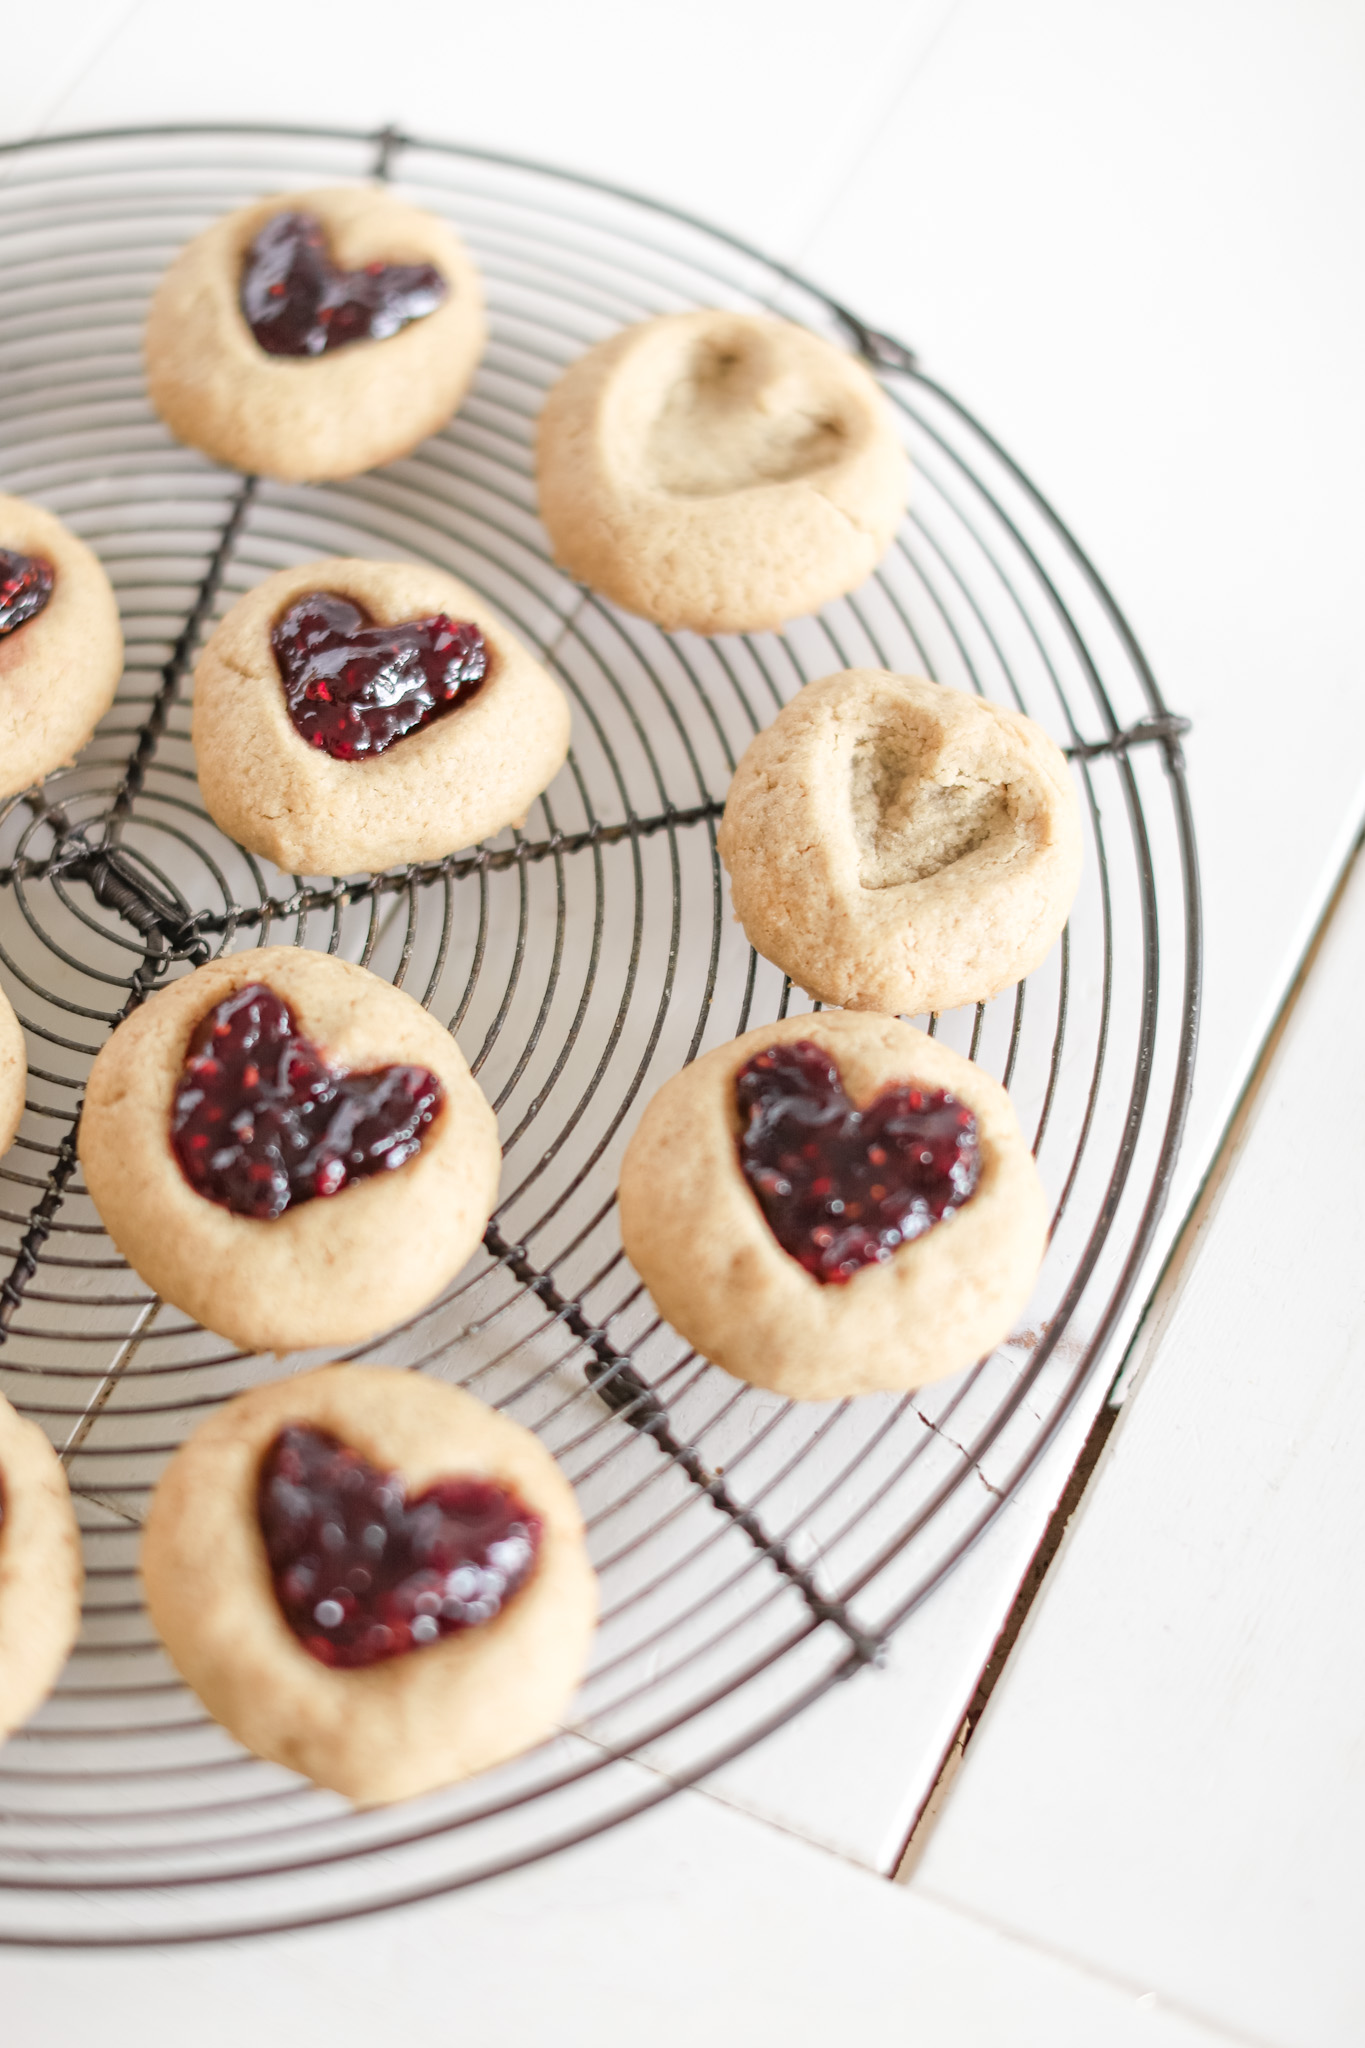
752	1552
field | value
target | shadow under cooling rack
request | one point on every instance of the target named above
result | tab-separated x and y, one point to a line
752	1553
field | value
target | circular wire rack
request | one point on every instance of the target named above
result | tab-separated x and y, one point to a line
752	1552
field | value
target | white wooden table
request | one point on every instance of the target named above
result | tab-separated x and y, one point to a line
1126	236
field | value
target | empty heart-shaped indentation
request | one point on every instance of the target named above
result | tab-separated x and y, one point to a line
736	416
361	1572
909	825
842	1187
298	303
353	687
261	1122
25	587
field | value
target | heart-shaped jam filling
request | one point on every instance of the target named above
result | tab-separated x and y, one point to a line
352	687
841	1187
260	1121
25	587
362	1573
297	303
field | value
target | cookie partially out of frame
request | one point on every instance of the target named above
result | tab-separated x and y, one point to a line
308	418
41	1576
397	1728
457	780
333	1270
13	1073
894	844
59	669
694	1230
719	471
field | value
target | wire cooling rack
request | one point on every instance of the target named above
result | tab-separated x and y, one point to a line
752	1553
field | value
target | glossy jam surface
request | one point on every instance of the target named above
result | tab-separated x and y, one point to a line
362	1573
353	688
260	1121
297	303
841	1187
25	587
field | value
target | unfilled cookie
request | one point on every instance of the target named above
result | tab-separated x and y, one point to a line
60	666
307	418
13	1073
331	1270
897	845
40	1569
695	1232
454	781
719	471
428	1717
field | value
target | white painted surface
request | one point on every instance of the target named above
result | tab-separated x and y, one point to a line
752	115
1170	1780
711	1922
1123	235
48	52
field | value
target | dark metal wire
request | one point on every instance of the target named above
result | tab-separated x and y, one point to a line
752	1552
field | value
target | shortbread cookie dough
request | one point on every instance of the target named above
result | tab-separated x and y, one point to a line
897	845
306	418
13	1073
331	1270
40	1569
60	667
430	1716
698	1238
719	471
447	785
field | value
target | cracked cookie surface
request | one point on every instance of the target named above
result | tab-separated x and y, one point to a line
897	845
719	471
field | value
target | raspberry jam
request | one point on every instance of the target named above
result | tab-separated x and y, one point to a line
841	1187
353	688
25	587
260	1121
297	303
362	1573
